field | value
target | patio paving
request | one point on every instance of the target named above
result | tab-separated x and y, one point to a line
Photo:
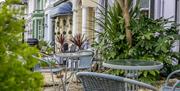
48	84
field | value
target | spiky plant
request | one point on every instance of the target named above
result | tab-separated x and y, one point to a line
61	40
78	40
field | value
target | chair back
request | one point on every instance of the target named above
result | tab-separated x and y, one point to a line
85	62
176	86
103	82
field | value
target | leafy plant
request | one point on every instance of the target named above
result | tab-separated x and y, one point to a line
78	40
44	47
16	59
151	39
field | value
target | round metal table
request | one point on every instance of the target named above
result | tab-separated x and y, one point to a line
131	68
133	64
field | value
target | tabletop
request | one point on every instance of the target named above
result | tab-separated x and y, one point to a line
75	54
133	64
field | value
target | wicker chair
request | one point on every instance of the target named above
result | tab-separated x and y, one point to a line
176	86
104	82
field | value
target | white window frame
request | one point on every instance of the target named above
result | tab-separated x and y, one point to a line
147	9
141	9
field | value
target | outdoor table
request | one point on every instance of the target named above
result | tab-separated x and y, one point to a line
131	68
70	57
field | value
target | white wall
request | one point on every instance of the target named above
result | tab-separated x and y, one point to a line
165	8
30	6
48	21
48	26
169	9
29	27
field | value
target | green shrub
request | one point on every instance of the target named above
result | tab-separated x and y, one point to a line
16	59
152	39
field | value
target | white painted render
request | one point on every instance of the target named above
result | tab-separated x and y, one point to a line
29	20
48	26
48	21
30	6
169	9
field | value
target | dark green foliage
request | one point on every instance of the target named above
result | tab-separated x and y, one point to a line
152	39
16	59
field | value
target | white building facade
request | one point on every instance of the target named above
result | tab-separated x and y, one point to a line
82	9
35	19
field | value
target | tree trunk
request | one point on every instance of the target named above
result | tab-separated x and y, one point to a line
125	8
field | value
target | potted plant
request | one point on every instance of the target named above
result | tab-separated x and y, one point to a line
61	40
78	40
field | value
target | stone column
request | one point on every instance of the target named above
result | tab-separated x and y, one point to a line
85	14
75	17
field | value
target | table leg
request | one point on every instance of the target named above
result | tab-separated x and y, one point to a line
65	78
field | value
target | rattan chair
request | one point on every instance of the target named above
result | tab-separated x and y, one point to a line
176	86
104	82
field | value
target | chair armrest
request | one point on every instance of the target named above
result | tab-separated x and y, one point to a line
169	76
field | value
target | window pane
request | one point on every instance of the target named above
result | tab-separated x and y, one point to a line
144	3
145	12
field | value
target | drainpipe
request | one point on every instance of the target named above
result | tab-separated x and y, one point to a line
106	7
53	33
163	8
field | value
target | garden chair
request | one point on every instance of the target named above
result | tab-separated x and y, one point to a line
49	69
85	62
176	86
81	63
104	82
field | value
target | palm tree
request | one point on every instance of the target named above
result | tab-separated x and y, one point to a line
124	4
